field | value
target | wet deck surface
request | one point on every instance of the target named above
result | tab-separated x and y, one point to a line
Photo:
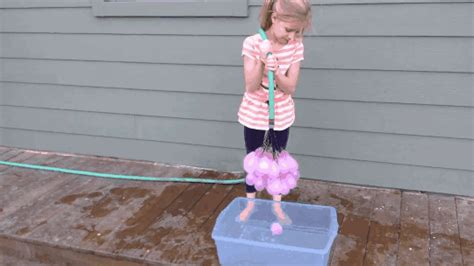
52	218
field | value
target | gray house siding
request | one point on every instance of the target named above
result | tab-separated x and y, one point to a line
385	97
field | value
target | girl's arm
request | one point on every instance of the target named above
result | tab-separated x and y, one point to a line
253	72
287	83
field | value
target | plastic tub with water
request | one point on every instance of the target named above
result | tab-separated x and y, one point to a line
307	240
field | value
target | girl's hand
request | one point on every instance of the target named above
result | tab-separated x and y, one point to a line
271	63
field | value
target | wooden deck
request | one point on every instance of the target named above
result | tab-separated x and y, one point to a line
51	218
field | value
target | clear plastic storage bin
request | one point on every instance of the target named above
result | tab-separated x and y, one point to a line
307	240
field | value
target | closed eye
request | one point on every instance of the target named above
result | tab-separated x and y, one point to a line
292	30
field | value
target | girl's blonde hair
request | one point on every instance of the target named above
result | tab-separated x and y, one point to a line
286	10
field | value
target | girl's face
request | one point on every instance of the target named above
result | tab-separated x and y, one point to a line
286	31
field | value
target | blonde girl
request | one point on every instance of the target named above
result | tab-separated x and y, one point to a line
284	22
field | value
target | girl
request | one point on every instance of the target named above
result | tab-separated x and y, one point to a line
283	22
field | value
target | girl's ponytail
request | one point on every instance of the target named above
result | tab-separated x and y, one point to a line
266	14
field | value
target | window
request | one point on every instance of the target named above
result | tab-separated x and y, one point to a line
170	8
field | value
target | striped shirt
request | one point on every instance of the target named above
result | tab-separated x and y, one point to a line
253	110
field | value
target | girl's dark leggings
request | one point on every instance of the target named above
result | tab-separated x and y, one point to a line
254	140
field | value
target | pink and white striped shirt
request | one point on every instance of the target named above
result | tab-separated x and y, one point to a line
253	110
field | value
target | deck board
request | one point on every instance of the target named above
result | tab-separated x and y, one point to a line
445	244
382	243
355	205
465	211
414	230
4	150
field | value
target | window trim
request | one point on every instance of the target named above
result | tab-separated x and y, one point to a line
168	8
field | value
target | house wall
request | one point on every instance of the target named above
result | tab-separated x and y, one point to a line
385	96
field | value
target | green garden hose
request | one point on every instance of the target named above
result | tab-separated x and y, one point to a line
128	177
271	85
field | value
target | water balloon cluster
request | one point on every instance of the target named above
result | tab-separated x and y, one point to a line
277	174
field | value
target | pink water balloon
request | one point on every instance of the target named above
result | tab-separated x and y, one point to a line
286	189
290	181
274	169
287	162
265	179
259	152
258	174
283	154
283	164
276	228
250	162
263	166
250	179
271	187
267	155
295	173
292	163
261	182
275	186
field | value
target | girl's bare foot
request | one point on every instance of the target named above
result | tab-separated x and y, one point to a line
280	214
244	215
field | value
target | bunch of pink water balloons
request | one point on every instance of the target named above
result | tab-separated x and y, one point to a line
277	176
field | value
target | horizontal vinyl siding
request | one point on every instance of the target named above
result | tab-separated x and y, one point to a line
385	95
424	88
2	98
374	53
446	121
432	19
